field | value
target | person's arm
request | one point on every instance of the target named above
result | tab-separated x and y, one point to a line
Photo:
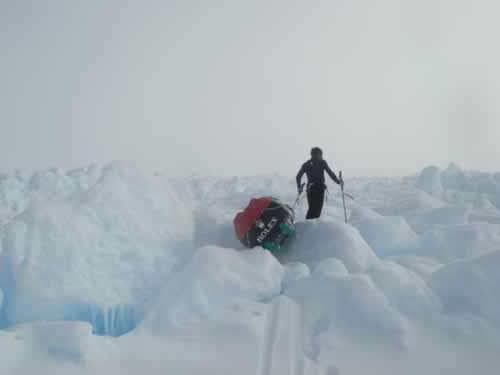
332	174
299	177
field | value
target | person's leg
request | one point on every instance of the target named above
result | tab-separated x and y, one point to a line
320	196
315	199
310	204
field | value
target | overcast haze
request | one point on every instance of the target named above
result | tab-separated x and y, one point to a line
247	87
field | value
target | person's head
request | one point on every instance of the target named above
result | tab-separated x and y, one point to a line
316	153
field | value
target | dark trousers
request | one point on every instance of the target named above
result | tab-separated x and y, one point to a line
315	199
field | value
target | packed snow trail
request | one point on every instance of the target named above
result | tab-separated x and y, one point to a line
407	287
281	348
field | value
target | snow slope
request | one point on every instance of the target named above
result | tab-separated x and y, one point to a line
107	269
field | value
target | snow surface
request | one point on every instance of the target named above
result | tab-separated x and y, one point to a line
108	270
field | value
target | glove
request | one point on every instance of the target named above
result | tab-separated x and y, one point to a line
300	189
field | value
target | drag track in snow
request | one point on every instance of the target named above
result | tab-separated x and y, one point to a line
282	351
269	334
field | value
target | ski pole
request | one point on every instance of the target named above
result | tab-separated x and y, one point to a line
298	196
343	197
348	195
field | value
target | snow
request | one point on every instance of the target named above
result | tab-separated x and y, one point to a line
330	239
216	286
430	181
448	243
385	234
469	286
108	269
91	248
62	341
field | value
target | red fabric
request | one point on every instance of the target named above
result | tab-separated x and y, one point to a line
244	220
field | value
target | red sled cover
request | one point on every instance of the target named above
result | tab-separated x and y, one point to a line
244	221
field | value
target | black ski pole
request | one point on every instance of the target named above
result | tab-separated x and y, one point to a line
298	196
343	197
348	195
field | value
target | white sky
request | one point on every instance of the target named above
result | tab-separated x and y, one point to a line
247	87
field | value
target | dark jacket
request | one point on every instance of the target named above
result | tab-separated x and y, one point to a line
315	171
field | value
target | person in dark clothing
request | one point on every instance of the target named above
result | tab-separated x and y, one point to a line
315	169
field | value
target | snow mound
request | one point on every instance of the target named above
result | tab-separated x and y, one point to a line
413	202
406	290
424	221
12	198
386	235
455	178
60	341
215	286
421	265
448	243
295	271
430	181
214	226
346	305
318	240
93	250
483	204
470	286
331	266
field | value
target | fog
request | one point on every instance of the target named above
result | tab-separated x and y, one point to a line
237	87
